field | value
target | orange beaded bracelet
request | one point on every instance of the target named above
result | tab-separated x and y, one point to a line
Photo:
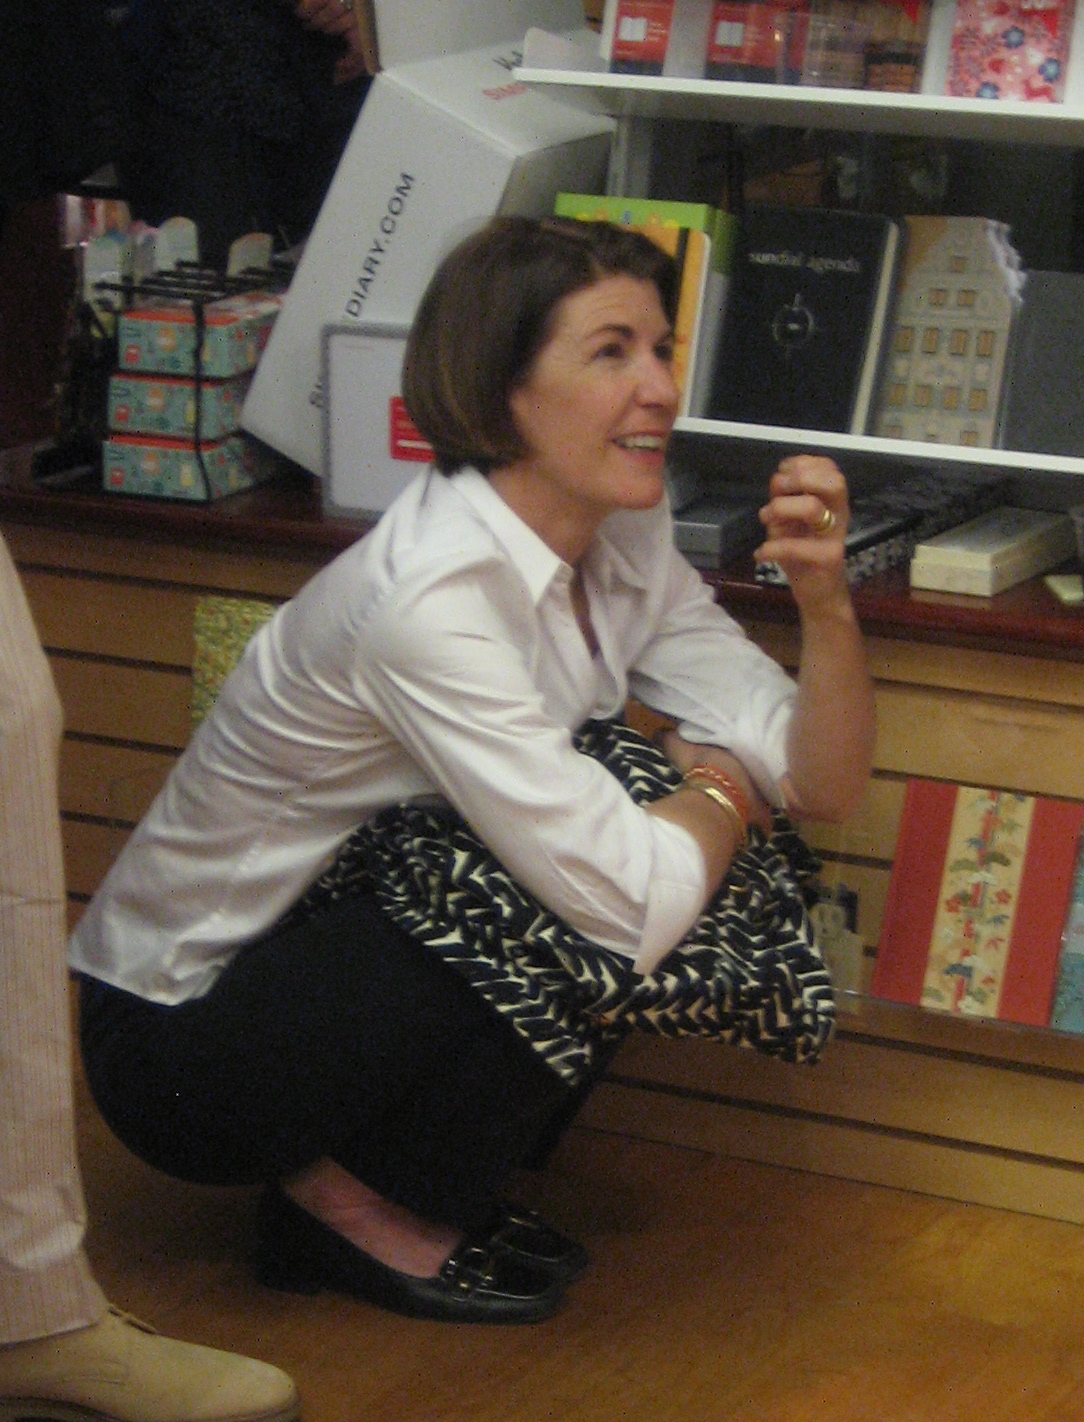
696	779
712	775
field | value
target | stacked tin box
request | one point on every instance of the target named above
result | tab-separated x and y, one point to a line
186	350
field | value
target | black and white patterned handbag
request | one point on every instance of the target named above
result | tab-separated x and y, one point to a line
749	973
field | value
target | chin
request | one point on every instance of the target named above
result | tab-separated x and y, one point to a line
645	493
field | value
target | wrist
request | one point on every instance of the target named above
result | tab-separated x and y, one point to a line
723	780
723	790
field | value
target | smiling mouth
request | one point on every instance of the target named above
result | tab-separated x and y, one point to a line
650	442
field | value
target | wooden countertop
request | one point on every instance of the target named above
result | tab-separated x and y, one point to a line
287	515
1026	619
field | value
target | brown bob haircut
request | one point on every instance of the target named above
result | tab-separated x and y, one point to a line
487	313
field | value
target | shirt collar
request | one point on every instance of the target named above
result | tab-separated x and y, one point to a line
612	556
536	560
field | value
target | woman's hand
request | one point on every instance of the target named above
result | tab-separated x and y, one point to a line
830	750
337	17
806	521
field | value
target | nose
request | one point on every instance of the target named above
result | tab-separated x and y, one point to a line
658	384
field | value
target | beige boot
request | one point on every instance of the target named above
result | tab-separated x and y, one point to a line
120	1370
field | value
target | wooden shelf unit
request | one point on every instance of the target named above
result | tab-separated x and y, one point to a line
986	1112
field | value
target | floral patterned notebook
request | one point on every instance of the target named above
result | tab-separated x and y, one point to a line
977	901
1010	49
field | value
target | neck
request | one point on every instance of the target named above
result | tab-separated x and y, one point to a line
565	527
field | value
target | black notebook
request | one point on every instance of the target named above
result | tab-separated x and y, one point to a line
809	300
1043	402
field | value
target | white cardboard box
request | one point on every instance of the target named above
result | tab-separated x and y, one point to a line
993	552
407	30
439	147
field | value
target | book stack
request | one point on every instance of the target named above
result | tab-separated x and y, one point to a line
701	240
896	44
1067	1014
757	43
1043	398
655	37
993	552
1020	50
873	44
1010	49
636	35
980	903
712	529
188	341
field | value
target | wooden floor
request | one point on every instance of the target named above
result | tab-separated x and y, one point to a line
719	1290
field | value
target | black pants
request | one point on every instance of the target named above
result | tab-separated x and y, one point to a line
341	1037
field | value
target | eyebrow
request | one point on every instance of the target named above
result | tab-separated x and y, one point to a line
620	328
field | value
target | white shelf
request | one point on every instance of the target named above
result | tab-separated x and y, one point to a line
828	442
626	96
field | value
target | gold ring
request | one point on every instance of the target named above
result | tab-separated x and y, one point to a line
825	523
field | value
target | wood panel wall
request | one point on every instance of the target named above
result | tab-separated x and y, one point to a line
116	618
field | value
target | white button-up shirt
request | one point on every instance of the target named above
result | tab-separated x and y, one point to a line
440	654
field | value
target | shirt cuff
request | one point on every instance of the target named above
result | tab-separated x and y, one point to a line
676	897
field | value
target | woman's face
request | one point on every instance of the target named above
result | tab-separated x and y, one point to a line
595	413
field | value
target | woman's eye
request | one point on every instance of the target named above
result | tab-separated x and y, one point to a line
665	352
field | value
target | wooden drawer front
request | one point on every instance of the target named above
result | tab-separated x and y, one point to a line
827	1145
109	781
882	1085
123	703
109	618
781	642
870	833
89	851
930	664
208	570
116	618
1043	679
1011	745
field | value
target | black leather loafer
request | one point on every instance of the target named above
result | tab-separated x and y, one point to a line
525	1235
297	1252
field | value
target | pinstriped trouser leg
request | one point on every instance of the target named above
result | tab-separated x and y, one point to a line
45	1281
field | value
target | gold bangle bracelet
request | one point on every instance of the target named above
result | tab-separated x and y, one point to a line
726	783
724	802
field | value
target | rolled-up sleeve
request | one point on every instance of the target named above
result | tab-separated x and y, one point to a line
701	670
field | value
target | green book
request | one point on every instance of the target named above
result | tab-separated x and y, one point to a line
636	212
